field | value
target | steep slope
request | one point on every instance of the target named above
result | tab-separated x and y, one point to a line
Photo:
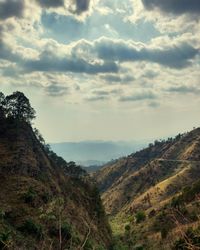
153	196
42	205
152	174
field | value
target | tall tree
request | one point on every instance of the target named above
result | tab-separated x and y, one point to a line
18	107
2	110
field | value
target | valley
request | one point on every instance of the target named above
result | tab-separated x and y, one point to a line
99	124
149	199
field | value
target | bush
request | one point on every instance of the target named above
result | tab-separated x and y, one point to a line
30	227
46	197
66	231
4	238
89	245
163	223
127	228
140	216
30	195
100	248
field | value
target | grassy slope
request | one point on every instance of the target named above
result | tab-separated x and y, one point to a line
147	181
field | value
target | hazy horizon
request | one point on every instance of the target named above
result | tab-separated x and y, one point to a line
89	153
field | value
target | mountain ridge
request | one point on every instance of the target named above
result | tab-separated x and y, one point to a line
181	148
145	194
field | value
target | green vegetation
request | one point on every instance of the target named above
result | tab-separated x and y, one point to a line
30	195
16	106
29	227
140	216
5	238
45	202
189	193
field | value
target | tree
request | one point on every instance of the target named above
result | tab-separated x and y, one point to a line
39	136
2	100
18	107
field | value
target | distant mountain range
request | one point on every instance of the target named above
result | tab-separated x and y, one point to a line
95	153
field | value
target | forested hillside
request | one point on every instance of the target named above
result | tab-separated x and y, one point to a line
45	202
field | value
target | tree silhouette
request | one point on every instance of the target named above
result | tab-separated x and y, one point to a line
2	100
17	106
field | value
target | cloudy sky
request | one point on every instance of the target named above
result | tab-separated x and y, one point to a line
104	69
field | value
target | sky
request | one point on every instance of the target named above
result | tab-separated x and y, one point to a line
104	69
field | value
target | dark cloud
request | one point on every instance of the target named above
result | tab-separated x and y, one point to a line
56	90
76	6
112	78
100	95
49	62
101	92
11	8
82	6
138	97
150	74
112	53
176	7
10	71
51	3
118	79
97	98
179	56
6	52
184	89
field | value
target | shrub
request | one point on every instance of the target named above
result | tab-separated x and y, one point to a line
30	195
30	227
66	231
100	248
46	197
4	238
140	216
163	223
127	228
88	245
